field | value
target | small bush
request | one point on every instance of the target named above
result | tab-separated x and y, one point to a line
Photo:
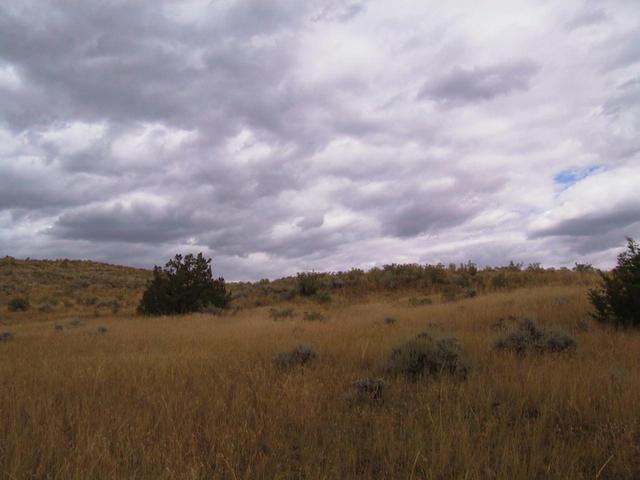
528	337
617	302
322	296
19	304
417	302
368	390
424	336
76	322
6	336
451	293
308	283
314	317
502	323
425	357
45	308
300	356
276	314
390	320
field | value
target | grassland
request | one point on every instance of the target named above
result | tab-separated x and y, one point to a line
198	396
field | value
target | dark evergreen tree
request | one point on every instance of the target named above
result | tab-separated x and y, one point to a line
617	301
184	285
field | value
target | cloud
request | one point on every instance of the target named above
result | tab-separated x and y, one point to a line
592	224
480	83
588	16
134	223
277	136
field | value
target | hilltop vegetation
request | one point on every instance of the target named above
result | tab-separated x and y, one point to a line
55	289
58	288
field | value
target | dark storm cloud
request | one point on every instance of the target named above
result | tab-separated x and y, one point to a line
28	185
592	224
480	82
138	223
277	135
127	62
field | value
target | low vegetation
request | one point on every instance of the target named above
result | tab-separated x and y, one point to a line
529	337
19	304
281	313
368	390
224	396
297	357
5	336
424	357
314	316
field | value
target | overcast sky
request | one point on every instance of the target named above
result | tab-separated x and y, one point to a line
279	136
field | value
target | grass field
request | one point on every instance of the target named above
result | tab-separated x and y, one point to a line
198	397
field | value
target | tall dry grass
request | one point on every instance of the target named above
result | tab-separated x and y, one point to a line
198	397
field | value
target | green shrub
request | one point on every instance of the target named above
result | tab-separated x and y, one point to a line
418	302
76	322
528	337
19	304
308	283
6	336
617	301
426	357
424	335
368	390
279	314
299	356
451	293
322	296
185	285
314	316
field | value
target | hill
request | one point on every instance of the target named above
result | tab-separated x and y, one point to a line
57	288
61	288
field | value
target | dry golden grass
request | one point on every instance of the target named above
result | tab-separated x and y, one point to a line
198	397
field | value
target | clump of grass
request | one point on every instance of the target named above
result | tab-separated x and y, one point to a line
6	336
322	296
390	320
76	322
308	283
297	357
368	390
427	357
424	335
417	302
279	314
453	293
45	308
19	304
314	316
529	337
212	310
